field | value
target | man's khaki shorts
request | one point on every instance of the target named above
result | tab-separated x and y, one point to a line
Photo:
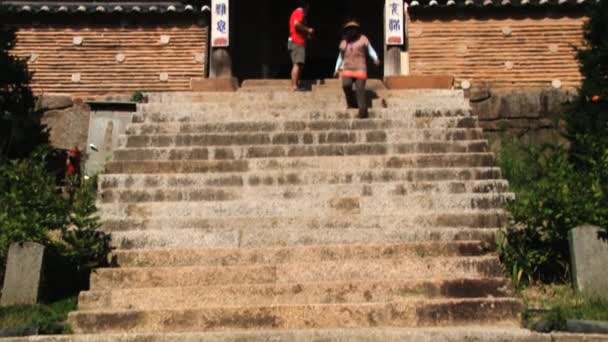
297	52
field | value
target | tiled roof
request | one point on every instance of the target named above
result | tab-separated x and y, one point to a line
40	7
495	3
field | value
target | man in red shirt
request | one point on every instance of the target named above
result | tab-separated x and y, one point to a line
298	34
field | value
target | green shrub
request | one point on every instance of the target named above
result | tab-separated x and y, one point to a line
30	205
138	97
558	189
21	131
587	118
552	197
33	208
82	244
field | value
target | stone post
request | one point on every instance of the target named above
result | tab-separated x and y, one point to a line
392	61
589	257
23	274
220	64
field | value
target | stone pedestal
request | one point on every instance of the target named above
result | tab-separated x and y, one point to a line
23	274
392	61
589	257
220	64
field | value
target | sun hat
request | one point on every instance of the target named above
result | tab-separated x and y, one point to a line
351	23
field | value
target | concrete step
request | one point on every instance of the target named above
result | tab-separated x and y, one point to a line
403	314
185	114
283	126
384	162
290	192
456	219
131	238
274	96
199	297
471	178
330	103
299	137
281	151
315	84
223	205
481	333
168	257
385	269
486	333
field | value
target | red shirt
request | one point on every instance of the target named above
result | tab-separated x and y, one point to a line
296	37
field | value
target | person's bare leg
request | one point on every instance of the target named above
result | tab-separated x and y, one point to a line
295	76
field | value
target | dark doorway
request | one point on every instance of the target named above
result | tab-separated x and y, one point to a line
261	32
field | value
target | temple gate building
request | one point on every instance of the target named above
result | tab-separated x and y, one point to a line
121	46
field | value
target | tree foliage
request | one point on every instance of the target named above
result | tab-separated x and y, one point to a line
20	128
33	208
587	118
561	188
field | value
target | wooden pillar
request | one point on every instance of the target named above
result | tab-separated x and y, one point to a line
394	37
220	61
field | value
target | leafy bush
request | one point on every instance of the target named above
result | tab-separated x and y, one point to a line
557	188
82	244
30	205
32	208
20	128
139	97
552	198
587	119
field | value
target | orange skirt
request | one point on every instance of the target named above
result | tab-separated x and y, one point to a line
360	75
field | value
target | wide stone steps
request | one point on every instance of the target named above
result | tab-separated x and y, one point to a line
301	137
458	218
284	126
324	204
186	114
309	254
281	151
313	104
234	214
411	313
377	162
269	96
448	178
475	332
205	237
289	294
196	193
385	269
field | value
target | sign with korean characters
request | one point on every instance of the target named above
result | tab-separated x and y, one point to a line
220	23
394	22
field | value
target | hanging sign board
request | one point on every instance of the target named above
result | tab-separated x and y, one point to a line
220	29
394	22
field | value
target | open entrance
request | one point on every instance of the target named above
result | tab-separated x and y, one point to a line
261	31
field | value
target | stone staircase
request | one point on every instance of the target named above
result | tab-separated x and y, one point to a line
266	211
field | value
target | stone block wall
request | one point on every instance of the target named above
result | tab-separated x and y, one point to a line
531	115
67	119
106	58
506	48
